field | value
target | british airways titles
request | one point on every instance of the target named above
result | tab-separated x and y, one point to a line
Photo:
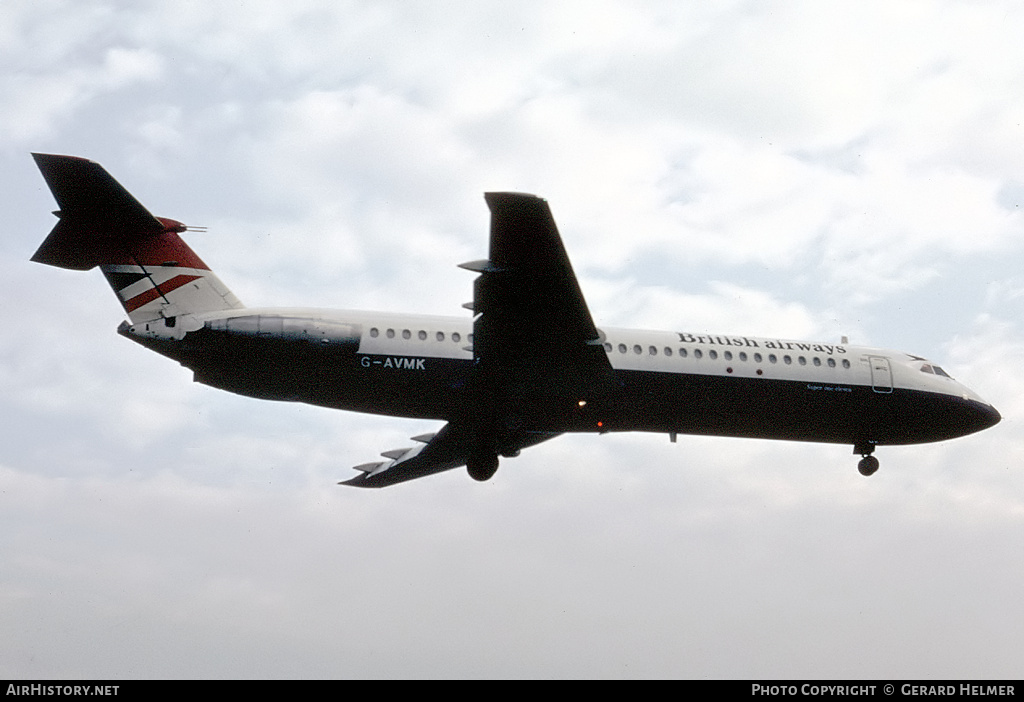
747	342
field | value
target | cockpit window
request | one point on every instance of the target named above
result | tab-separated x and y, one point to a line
929	368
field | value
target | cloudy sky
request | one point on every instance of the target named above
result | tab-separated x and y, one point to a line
797	169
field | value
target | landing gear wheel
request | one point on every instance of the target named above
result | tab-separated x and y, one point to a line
867	466
482	467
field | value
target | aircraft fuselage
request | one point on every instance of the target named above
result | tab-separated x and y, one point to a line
668	382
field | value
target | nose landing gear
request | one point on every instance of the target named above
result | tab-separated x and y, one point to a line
868	464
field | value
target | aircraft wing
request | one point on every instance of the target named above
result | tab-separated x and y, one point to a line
435	453
533	326
537	353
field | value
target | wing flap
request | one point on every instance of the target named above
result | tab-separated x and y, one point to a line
449	448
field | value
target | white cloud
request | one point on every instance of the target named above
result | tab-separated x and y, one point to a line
38	100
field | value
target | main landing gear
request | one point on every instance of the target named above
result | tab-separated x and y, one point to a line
482	466
868	464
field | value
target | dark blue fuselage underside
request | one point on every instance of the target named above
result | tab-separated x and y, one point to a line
337	376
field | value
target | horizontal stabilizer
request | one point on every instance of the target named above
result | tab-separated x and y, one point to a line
153	272
95	213
82	187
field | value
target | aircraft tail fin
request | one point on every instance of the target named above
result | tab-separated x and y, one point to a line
153	272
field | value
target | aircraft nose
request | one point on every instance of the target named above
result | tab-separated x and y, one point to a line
978	416
956	416
990	416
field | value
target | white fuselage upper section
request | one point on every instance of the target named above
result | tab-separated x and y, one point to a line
830	365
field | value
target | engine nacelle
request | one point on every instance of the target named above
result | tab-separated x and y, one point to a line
294	329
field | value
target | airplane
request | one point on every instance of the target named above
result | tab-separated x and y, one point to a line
529	366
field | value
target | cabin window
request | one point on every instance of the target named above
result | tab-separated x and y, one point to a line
788	360
713	354
757	358
697	353
743	355
422	335
637	349
668	351
831	363
846	363
440	336
682	353
772	358
608	347
456	337
406	334
391	333
622	348
374	332
802	360
727	356
653	351
817	361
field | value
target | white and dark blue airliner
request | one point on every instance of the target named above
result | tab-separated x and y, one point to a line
531	363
